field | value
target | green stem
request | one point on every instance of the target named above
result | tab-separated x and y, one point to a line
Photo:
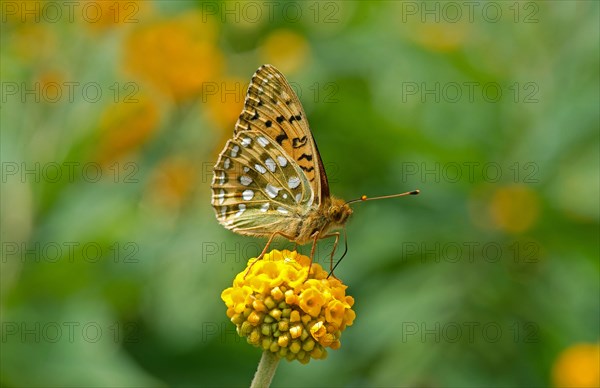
265	371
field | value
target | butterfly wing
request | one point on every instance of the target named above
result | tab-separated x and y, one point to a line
273	108
258	188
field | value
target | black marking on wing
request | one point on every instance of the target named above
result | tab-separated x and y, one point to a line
281	137
299	142
307	169
271	98
296	117
305	156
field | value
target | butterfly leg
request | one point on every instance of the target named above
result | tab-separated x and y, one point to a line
317	237
335	244
312	252
265	249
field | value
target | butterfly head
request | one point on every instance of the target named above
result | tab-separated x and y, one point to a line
338	212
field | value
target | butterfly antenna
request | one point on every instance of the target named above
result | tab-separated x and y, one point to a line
365	198
343	255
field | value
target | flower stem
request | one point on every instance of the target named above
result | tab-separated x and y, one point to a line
265	371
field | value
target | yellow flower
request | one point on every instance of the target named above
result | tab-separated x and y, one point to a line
334	313
578	366
311	301
349	316
295	277
237	297
283	308
318	330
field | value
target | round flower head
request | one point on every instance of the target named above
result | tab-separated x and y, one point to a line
285	309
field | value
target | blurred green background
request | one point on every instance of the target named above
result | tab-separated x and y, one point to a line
113	114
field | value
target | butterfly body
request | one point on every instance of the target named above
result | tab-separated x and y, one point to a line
332	215
270	179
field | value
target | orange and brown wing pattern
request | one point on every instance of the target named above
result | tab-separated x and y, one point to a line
272	107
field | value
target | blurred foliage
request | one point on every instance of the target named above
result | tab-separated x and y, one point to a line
113	115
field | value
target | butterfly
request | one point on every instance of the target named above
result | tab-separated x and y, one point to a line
269	179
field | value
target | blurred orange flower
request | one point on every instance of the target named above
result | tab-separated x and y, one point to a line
578	366
514	208
126	126
32	43
176	56
24	11
100	15
51	82
442	37
439	26
223	100
173	182
286	49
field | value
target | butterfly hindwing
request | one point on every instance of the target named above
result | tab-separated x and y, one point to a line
257	187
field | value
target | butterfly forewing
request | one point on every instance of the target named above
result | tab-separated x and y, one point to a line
272	107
